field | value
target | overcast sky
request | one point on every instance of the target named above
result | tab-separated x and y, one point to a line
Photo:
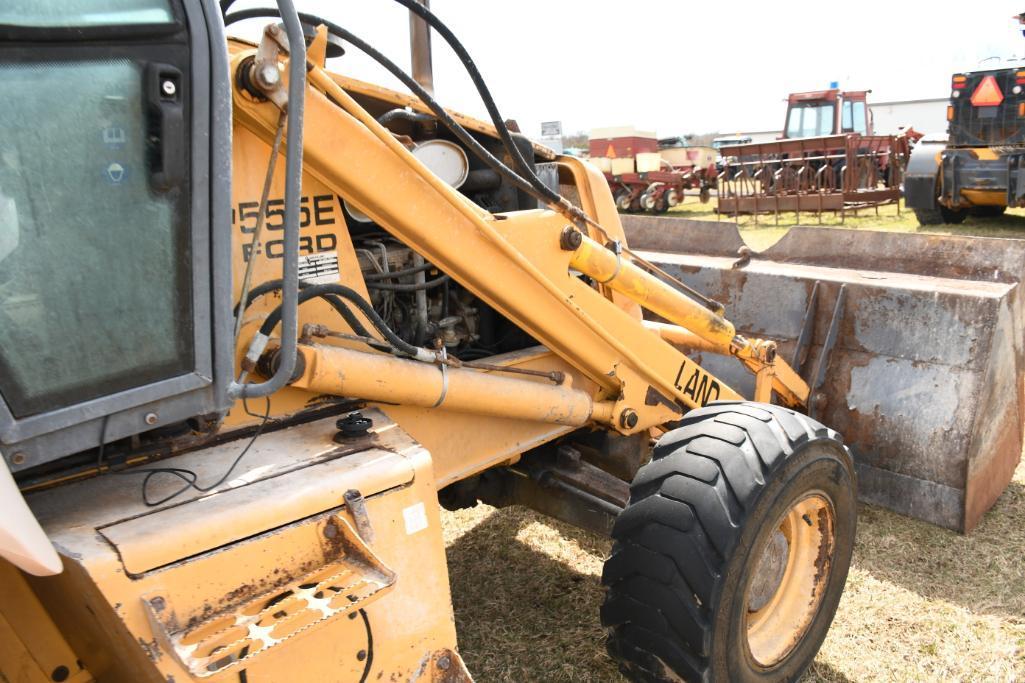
680	66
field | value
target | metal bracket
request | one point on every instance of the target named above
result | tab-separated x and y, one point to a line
822	366
807	329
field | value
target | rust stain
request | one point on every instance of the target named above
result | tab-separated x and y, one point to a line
824	559
152	650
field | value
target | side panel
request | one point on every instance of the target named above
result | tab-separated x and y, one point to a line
279	505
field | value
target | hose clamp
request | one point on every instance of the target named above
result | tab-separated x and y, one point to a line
444	378
616	247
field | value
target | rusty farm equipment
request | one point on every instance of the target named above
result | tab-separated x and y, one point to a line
658	191
647	174
841	173
912	346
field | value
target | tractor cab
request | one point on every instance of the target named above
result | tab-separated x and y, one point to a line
827	112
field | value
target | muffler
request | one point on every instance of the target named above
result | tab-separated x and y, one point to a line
912	345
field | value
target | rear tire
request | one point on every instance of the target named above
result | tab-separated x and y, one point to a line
940	215
928	216
729	560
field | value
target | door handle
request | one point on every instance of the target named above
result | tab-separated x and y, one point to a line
166	140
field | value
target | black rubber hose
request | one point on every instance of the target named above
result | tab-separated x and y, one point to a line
353	296
461	134
413	287
336	303
519	161
404	115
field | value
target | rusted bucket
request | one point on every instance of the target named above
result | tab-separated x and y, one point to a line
925	375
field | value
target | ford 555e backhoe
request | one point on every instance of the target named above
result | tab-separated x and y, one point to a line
257	319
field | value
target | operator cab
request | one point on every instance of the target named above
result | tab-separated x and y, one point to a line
827	112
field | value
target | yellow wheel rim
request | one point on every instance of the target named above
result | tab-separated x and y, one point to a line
789	579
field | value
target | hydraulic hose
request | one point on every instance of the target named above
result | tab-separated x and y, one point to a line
519	162
274	285
396	342
461	134
293	190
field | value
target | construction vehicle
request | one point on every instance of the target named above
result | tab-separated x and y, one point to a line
977	169
827	159
257	319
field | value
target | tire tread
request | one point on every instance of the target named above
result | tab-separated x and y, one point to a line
685	515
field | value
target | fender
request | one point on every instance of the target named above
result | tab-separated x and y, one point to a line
920	179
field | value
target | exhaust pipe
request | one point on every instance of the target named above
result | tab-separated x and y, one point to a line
420	50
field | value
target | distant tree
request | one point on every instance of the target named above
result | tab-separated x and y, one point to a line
578	139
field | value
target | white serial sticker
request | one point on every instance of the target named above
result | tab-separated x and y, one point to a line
415	517
319	269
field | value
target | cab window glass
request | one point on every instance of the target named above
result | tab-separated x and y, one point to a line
65	13
95	293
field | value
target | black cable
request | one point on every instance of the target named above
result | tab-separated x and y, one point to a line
273	285
353	296
485	95
404	115
412	287
535	188
461	134
189	476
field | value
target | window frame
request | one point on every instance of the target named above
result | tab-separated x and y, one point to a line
42	437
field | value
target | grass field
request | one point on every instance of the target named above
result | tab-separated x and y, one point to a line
764	230
921	604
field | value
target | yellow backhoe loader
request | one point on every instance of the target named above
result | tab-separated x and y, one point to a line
258	319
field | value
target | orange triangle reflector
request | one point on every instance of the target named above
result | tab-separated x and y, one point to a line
610	152
987	94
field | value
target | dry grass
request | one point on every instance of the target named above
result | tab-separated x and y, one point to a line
764	230
922	603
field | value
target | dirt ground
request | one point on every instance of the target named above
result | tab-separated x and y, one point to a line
921	604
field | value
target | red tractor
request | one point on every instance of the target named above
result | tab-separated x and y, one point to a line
827	112
827	159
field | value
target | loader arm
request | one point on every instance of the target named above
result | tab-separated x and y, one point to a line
525	264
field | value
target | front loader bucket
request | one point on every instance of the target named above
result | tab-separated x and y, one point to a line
925	375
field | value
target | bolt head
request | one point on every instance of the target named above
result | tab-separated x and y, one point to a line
268	75
444	662
168	88
571	238
18	458
628	419
151	418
